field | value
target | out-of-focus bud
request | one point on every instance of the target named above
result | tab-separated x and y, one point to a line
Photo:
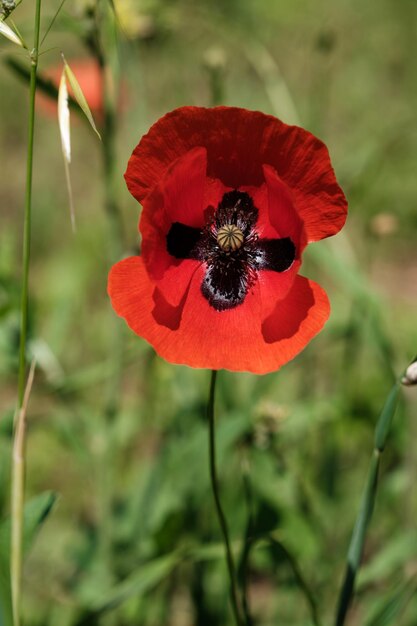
6	7
84	7
326	41
145	26
214	62
215	58
384	224
133	22
410	376
269	417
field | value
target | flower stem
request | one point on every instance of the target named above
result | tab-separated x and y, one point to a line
18	473
222	520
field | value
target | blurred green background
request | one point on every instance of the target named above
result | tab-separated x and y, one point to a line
133	539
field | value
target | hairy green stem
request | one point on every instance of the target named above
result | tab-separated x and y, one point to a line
18	473
236	606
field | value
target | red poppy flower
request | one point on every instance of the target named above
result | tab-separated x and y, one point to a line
230	200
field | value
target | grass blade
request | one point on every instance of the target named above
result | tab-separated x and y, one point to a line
367	505
7	32
35	513
299	579
384	423
64	129
52	22
64	118
146	578
79	96
389	612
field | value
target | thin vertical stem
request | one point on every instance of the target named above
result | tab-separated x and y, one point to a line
222	519
115	227
104	50
17	498
18	471
28	208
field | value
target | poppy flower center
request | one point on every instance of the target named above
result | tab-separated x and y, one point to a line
231	250
229	237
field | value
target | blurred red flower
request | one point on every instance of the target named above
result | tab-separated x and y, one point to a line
90	79
230	200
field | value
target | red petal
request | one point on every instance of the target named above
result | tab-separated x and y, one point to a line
277	215
282	212
195	334
182	195
274	286
239	143
265	226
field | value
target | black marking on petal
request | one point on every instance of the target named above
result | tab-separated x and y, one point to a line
275	254
233	252
236	207
227	280
182	241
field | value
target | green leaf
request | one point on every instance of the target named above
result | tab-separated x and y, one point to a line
386	417
142	581
358	539
5	597
367	505
279	547
79	96
393	557
151	574
390	610
365	513
35	513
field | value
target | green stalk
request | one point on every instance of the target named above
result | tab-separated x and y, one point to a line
113	384
115	225
18	468
28	208
237	611
17	508
363	519
104	48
